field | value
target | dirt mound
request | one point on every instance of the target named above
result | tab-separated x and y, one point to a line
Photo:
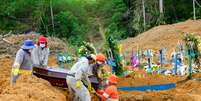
30	88
169	95
6	48
36	89
149	80
188	90
10	44
27	88
33	89
164	36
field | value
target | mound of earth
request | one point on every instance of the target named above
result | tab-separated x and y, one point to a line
164	36
10	44
149	80
36	89
186	90
27	88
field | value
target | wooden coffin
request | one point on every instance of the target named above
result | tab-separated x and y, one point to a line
56	76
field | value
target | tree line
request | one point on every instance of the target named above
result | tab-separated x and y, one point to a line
88	20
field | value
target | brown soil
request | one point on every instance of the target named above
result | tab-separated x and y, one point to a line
36	89
186	90
27	88
10	45
52	61
30	88
139	80
164	36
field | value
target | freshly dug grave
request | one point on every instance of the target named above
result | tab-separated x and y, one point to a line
149	80
186	90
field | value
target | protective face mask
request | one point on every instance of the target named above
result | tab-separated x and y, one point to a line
100	63
42	45
30	50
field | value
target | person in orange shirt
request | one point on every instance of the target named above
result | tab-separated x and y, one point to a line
110	93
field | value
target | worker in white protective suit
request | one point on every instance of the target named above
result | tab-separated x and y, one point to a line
40	53
80	71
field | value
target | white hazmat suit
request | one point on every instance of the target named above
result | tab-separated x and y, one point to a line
81	71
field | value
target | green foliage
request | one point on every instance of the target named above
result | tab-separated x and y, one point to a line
178	10
112	13
67	25
68	21
114	47
86	49
81	20
16	14
192	42
198	14
174	11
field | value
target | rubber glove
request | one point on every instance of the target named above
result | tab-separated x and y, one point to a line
78	84
14	72
91	89
16	69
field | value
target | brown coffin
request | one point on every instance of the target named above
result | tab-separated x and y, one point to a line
56	76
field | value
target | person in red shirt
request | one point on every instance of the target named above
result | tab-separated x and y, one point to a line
110	93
